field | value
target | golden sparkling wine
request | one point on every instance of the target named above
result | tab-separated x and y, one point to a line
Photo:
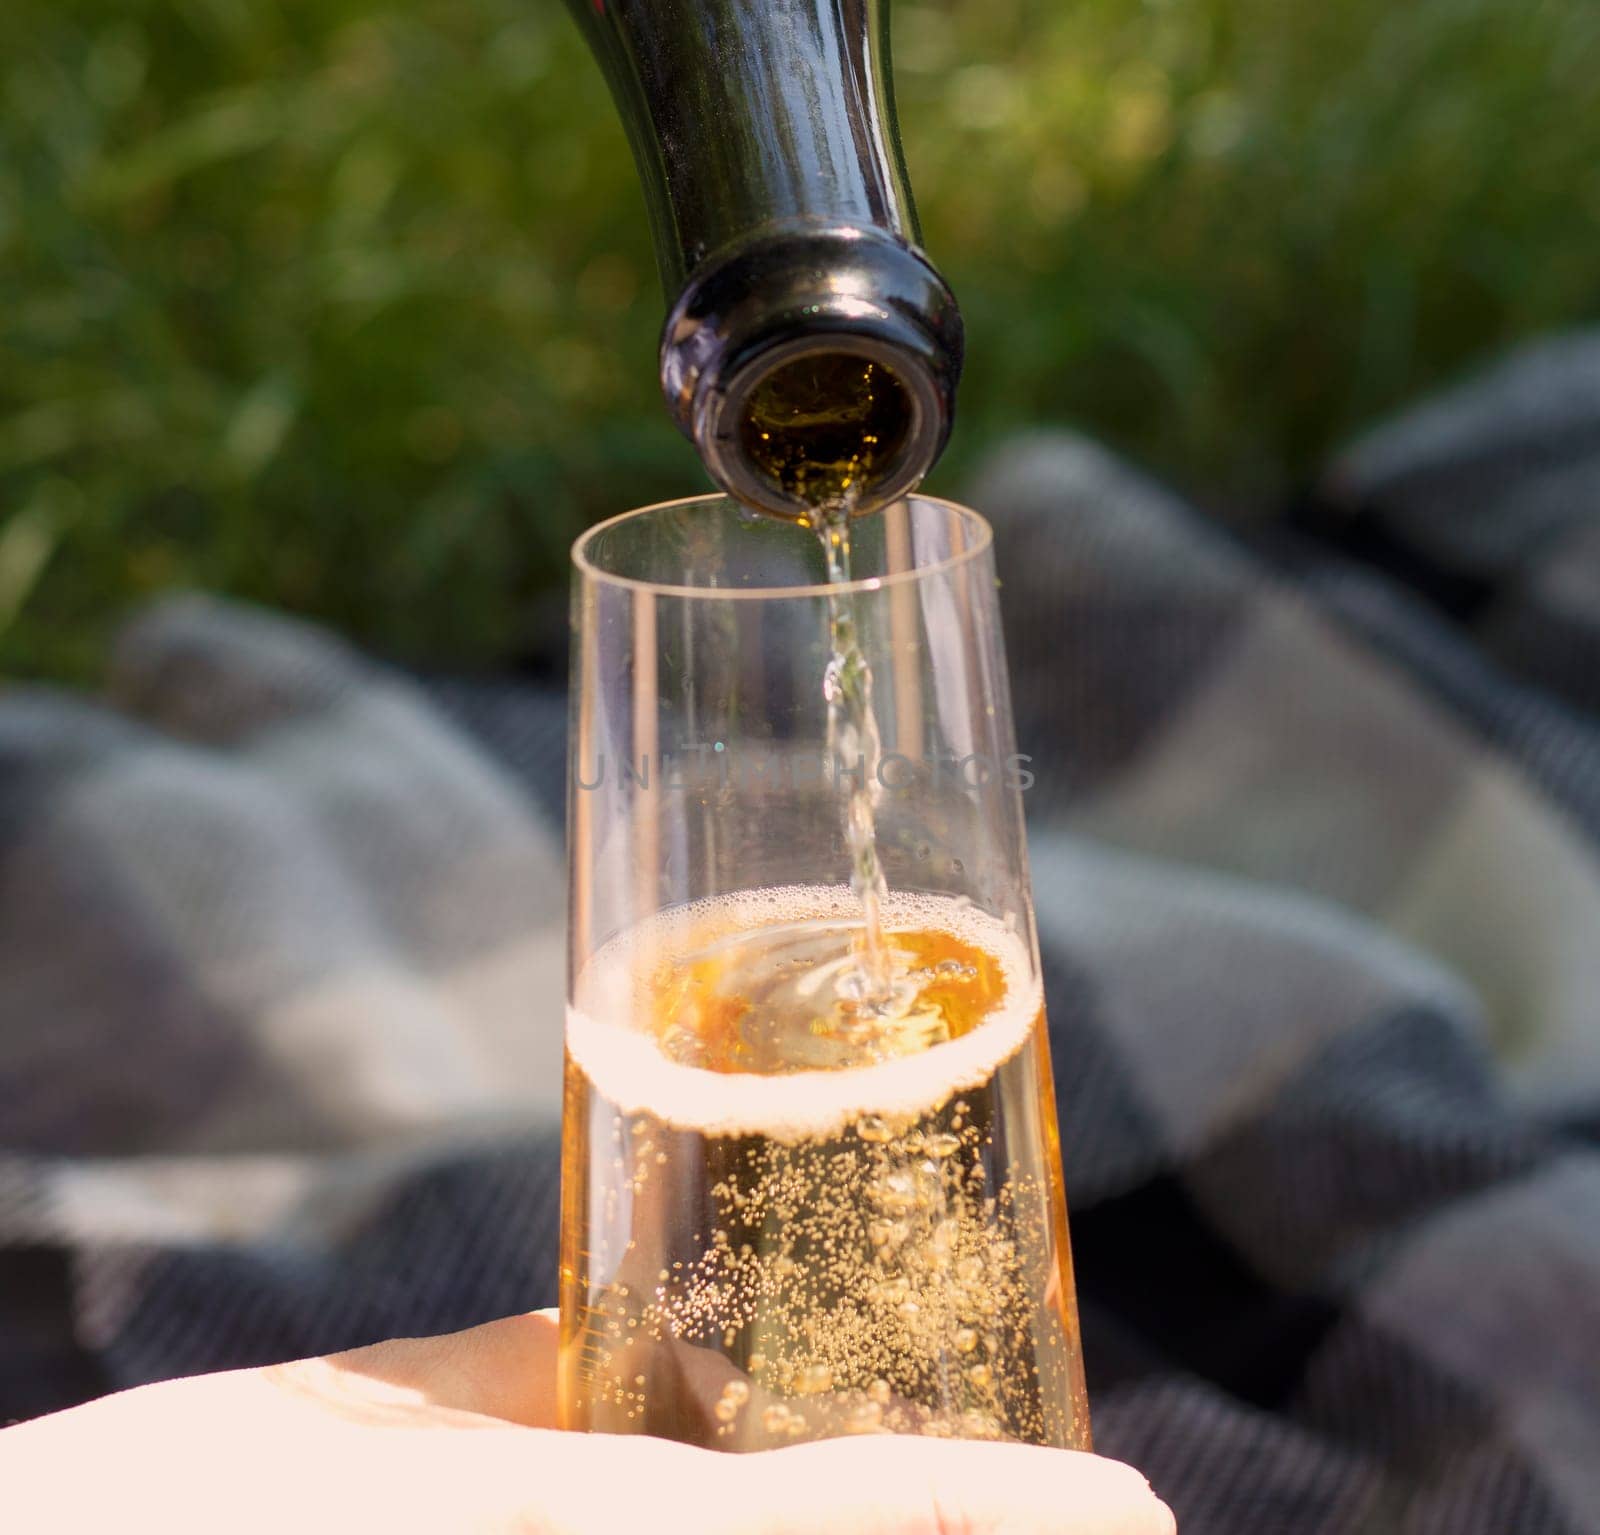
822	425
799	1206
854	737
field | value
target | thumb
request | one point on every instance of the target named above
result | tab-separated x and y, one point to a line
600	1484
889	1485
882	1484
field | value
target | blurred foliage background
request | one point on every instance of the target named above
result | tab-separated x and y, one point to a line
347	305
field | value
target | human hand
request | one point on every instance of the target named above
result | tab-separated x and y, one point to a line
457	1434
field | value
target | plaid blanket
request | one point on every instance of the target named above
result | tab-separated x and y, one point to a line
1314	837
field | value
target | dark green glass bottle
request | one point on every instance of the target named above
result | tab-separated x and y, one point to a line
810	351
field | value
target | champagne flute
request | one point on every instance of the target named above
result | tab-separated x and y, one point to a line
795	1204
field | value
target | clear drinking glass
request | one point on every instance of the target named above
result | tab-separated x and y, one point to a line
781	1217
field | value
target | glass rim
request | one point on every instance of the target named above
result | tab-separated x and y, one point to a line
810	590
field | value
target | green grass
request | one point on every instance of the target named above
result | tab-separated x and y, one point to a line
348	306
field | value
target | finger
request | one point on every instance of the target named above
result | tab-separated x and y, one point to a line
504	1369
876	1485
886	1485
600	1484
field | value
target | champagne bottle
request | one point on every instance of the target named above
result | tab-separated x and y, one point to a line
810	350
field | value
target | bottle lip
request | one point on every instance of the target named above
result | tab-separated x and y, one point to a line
804	290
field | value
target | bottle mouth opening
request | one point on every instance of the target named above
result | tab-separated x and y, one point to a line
809	334
821	421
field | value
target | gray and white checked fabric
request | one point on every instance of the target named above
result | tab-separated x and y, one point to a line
1316	849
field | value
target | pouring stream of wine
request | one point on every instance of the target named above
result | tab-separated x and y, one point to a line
854	749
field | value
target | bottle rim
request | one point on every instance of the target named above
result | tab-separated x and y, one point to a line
803	288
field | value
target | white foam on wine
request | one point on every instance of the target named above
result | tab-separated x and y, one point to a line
627	1067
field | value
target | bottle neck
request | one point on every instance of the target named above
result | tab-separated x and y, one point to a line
765	138
745	112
